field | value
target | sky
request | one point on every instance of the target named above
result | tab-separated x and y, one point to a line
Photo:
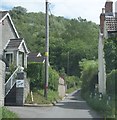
86	9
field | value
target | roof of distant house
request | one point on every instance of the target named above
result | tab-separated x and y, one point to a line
36	57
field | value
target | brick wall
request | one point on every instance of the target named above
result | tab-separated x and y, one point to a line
102	19
109	7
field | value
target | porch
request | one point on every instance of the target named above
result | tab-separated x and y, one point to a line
16	52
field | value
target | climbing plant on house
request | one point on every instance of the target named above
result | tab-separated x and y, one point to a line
110	49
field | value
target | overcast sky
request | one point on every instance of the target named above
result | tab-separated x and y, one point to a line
87	9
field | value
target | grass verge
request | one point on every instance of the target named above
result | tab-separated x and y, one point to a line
38	97
6	114
107	110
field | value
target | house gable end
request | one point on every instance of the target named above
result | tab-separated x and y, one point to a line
3	16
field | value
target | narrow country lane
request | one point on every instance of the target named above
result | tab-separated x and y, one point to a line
71	107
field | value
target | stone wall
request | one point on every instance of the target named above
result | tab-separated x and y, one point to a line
26	87
22	91
2	81
61	87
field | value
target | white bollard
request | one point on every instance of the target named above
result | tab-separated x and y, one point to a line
32	97
100	96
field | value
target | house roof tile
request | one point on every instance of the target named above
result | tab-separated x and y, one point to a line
14	43
111	24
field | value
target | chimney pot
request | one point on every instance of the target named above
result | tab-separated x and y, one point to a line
103	10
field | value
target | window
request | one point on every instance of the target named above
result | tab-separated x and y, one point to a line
21	59
9	58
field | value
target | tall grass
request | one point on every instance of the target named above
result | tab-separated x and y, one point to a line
104	106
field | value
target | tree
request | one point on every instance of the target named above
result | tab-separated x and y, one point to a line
19	10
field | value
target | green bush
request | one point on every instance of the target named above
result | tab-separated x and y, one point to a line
89	75
72	81
111	80
53	79
35	72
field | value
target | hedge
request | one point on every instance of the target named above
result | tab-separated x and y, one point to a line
35	72
89	75
111	82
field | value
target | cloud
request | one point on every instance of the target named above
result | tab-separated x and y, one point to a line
30	5
87	9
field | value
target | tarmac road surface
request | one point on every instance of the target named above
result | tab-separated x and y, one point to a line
71	107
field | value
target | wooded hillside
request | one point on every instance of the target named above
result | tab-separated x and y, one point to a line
70	39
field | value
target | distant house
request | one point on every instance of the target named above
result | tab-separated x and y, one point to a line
36	57
13	50
108	20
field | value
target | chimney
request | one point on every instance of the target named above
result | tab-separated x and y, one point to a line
116	9
109	7
102	19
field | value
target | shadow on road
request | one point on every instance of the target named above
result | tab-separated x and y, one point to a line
74	101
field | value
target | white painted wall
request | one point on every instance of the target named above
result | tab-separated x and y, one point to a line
116	9
2	72
0	39
101	66
2	81
7	32
116	6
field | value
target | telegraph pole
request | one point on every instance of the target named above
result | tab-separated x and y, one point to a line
46	51
68	63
